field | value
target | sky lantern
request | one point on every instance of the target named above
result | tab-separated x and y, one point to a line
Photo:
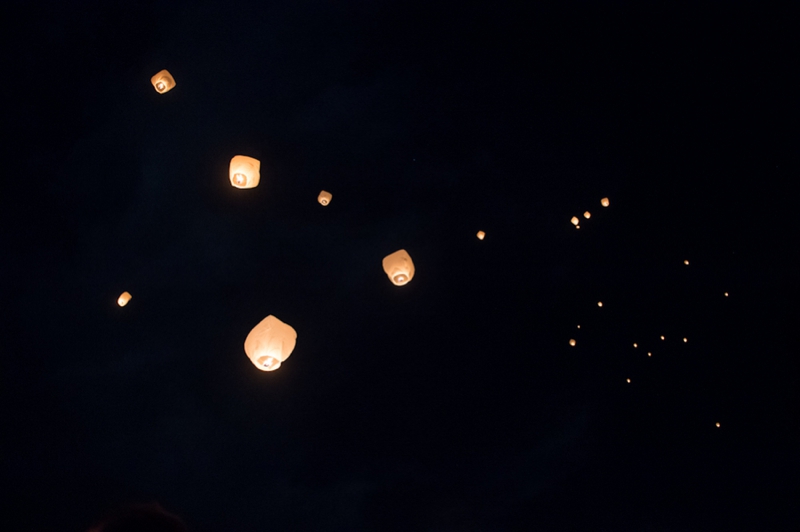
587	215
123	299
662	337
572	343
599	303
245	172
685	340
270	343
575	220
649	354
163	82
324	198
635	345
686	262
398	267
579	326
480	235
726	294
629	381
604	202
717	424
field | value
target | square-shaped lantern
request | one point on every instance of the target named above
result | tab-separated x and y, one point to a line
163	82
123	299
604	202
481	234
398	267
270	343
245	172
324	198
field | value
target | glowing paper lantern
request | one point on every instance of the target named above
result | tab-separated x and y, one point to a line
587	215
726	294
579	326
123	299
599	303
628	380
572	343
163	82
685	340
604	202
635	345
649	354
481	234
245	172
686	262
270	343
575	220
324	198
662	337
398	267
717	425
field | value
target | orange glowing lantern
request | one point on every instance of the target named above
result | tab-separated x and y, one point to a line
575	220
587	215
245	172
686	262
163	82
480	235
717	424
123	299
604	202
399	267
270	343
628	380
685	340
572	343
324	198
599	303
635	345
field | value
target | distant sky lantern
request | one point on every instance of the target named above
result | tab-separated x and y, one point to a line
123	299
399	267
245	172
717	424
577	227
635	345
649	354
628	380
163	82
726	294
579	326
270	343
324	198
604	202
662	337
575	220
587	215
481	234
599	303
686	262
572	343
685	340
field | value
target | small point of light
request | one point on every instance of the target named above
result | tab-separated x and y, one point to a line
635	344
480	235
239	179
604	202
587	215
649	354
628	380
572	343
662	337
579	326
599	303
685	340
577	227
686	262
717	424
726	294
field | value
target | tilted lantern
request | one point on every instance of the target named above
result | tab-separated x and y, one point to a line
123	299
575	220
481	234
604	202
324	197
163	82
245	172
572	343
270	343
587	215
398	267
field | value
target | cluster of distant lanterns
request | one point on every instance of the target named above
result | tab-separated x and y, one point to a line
271	342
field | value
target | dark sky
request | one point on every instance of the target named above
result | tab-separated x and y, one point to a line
454	403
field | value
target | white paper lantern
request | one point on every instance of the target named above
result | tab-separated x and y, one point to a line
245	172
399	267
270	343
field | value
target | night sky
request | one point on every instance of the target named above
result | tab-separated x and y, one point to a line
454	403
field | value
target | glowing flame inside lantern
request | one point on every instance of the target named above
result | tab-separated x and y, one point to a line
270	343
399	267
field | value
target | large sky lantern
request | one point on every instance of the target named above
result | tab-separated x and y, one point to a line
575	220
324	198
572	342
604	202
163	82
245	172
399	267
270	343
123	299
